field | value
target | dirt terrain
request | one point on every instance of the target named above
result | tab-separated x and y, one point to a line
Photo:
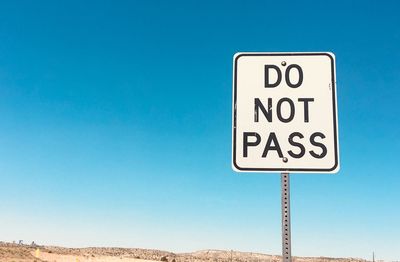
28	253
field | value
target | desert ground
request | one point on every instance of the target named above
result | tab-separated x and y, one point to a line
11	252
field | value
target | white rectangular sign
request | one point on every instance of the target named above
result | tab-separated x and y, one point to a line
284	113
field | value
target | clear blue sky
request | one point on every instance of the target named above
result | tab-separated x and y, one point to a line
115	126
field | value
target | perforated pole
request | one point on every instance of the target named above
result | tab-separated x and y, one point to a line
286	247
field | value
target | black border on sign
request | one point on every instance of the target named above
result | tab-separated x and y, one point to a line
334	114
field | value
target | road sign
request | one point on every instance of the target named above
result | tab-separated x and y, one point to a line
284	113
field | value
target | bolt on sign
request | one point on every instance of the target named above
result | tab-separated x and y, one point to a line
284	113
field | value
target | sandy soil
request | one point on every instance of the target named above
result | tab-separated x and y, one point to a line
45	256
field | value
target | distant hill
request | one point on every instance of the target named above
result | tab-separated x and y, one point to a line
29	253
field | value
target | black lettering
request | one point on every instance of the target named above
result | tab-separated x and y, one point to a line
320	145
297	144
246	142
272	140
287	76
267	78
306	113
279	110
267	112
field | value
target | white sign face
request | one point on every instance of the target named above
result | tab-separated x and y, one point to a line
284	113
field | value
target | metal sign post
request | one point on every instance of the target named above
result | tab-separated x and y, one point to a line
285	119
286	247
